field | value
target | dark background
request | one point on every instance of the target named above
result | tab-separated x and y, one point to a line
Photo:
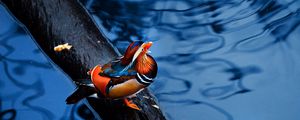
218	60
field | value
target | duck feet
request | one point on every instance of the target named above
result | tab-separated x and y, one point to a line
130	104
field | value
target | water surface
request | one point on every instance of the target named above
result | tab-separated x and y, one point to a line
218	60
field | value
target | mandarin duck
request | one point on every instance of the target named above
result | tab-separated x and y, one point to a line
121	78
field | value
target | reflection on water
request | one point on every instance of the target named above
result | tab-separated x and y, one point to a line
218	60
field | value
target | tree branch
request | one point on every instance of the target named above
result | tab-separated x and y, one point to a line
53	22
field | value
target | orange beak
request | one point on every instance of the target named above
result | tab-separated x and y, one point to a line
147	45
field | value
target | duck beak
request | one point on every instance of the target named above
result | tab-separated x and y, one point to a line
147	45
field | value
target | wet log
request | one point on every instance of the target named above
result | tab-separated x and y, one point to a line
54	22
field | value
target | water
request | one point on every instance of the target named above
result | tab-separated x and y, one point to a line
218	60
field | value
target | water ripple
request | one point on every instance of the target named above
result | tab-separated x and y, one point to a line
215	57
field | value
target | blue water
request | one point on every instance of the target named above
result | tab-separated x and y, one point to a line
218	60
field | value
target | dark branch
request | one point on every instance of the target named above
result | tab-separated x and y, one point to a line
53	22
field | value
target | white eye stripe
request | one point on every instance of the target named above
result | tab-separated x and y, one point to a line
137	53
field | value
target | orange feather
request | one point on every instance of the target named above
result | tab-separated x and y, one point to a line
144	64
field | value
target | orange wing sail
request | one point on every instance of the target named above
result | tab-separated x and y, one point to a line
100	82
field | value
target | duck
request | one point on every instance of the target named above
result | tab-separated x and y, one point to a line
121	78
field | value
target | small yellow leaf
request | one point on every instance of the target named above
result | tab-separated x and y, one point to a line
61	47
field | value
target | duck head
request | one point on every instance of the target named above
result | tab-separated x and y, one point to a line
135	50
136	53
